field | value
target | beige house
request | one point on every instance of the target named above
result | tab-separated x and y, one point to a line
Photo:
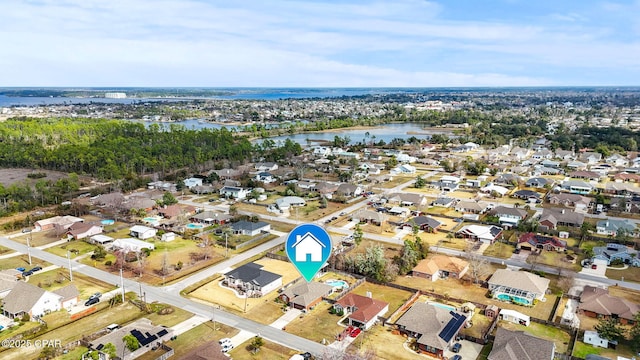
441	267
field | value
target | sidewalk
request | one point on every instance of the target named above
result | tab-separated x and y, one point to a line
188	324
286	318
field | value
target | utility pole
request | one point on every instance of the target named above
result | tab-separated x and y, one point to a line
226	245
29	248
246	296
122	285
70	270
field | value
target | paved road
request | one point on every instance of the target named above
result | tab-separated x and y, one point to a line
170	296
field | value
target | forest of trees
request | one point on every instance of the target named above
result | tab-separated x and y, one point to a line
112	149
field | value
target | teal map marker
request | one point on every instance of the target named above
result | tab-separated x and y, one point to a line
308	247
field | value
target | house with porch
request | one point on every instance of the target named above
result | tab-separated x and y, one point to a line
485	233
470	206
142	232
519	287
611	227
577	187
233	192
613	252
532	241
569	200
434	328
81	230
251	279
249	228
305	295
440	267
596	302
29	299
518	345
551	219
210	218
363	311
424	223
509	216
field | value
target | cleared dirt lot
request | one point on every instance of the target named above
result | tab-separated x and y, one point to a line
12	176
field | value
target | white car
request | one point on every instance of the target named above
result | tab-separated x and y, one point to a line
225	341
227	347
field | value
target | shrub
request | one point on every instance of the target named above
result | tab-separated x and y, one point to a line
108	263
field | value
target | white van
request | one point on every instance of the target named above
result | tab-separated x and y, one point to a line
112	327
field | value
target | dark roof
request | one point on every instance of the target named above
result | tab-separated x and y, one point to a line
538	180
248	225
253	273
433	325
453	326
526	193
425	220
537	239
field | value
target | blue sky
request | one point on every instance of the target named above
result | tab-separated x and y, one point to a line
353	43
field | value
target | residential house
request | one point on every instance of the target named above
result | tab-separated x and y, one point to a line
69	296
349	190
8	280
233	192
518	345
368	216
598	303
469	206
168	236
520	287
287	202
305	295
25	298
57	221
546	170
576	165
509	216
82	230
550	164
111	200
326	188
265	177
142	232
507	179
527	195
552	218
306	185
249	228
565	155
494	189
405	158
585	175
210	218
616	252
519	154
538	182
191	182
444	201
403	169
227	174
577	187
621	189
266	166
434	328
484	233
162	185
590	158
531	241
570	200
100	239
612	226
626	177
542	154
399	211
252	279
132	245
406	199
441	267
424	223
448	183
363	311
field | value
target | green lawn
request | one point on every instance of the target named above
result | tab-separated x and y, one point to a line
21	261
629	274
56	279
581	350
316	325
393	296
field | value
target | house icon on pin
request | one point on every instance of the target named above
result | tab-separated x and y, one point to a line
308	248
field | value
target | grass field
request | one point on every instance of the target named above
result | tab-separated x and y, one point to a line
553	258
268	351
385	344
581	350
500	250
559	336
21	261
629	274
74	247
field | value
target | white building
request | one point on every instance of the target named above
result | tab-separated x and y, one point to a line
142	232
593	338
191	182
132	245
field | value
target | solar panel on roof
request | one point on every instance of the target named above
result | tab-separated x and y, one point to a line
99	347
162	332
452	326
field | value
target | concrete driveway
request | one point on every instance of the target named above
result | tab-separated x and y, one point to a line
469	350
600	270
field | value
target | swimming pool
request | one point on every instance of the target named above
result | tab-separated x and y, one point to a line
443	306
107	222
151	219
194	226
515	299
337	283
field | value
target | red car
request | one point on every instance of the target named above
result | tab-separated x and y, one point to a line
355	332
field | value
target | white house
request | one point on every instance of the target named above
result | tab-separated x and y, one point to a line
142	232
168	236
101	239
233	192
131	244
591	337
515	317
25	298
191	182
308	245
69	296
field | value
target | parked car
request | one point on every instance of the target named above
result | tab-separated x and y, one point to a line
26	230
456	347
96	295
27	273
594	266
456	357
355	332
92	301
36	268
21	269
224	341
227	347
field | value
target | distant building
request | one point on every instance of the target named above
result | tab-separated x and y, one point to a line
115	95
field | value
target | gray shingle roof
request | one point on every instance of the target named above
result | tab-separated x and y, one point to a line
306	293
520	280
518	345
22	298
